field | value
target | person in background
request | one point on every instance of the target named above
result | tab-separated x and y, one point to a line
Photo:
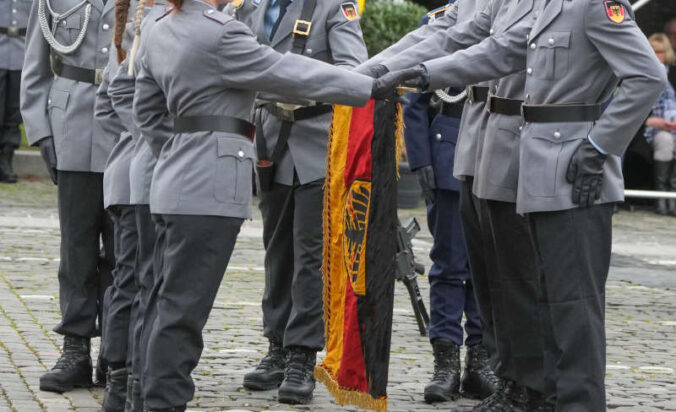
670	30
431	134
13	19
660	129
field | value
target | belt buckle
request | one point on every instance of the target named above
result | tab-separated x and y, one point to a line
302	27
98	76
489	102
13	31
285	111
523	113
470	94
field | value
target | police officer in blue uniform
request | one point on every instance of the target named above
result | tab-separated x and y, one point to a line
431	134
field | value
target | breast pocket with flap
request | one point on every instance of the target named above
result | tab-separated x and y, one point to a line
552	55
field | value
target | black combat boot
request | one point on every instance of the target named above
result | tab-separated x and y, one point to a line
508	397
270	372
7	174
662	171
172	409
478	379
72	370
101	375
445	383
299	376
116	390
537	402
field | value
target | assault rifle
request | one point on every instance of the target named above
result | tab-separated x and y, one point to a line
408	270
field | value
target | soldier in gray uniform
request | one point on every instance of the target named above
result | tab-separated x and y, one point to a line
13	19
116	192
142	163
293	134
569	173
57	104
204	70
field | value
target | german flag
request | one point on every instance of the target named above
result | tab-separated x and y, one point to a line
360	233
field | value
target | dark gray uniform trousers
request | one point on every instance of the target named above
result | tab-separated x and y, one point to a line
573	248
85	270
10	114
292	236
193	261
520	297
145	278
482	266
121	294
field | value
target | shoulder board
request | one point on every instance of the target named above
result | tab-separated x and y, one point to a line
165	14
439	12
216	16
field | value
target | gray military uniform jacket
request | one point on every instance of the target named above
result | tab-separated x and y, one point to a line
215	69
13	15
142	162
574	53
64	108
335	39
116	175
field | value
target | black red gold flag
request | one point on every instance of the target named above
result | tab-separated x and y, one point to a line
360	234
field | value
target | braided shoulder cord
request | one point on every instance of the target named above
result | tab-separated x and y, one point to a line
48	33
447	98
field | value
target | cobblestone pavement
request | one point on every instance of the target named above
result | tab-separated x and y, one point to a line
641	319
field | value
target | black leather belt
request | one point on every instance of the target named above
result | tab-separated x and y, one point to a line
13	31
225	124
561	113
78	74
297	114
501	105
477	94
451	109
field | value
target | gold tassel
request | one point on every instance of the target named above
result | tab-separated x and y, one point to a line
347	396
399	136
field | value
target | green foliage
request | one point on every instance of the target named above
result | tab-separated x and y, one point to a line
384	22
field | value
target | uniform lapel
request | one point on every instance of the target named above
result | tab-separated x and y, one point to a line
259	22
518	9
550	12
286	25
98	4
110	5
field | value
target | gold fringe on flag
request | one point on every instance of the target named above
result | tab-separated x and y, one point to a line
347	396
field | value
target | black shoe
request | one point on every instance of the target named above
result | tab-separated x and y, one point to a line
508	397
662	172
270	372
478	379
537	402
173	409
299	376
445	383
72	370
101	375
7	174
116	390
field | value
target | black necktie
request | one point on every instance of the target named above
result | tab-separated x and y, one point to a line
283	4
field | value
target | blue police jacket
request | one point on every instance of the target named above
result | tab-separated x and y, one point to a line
431	137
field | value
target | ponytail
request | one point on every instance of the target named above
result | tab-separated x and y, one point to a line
137	35
121	13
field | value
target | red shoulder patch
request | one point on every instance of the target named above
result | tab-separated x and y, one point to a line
615	11
349	10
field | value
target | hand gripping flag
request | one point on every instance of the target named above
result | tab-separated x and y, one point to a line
360	235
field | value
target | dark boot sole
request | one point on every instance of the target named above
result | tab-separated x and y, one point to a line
437	396
59	387
294	399
260	386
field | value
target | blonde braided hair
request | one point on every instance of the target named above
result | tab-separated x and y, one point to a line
137	35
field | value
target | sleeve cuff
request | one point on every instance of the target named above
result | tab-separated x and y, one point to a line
597	147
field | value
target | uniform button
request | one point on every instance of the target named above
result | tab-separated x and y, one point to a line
49	101
106	27
104	50
527	96
63	23
14	11
308	50
240	153
492	31
550	41
533	46
557	135
14	22
520	128
210	11
438	136
529	70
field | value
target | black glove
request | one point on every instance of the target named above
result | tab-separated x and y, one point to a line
385	87
48	153
585	173
427	183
